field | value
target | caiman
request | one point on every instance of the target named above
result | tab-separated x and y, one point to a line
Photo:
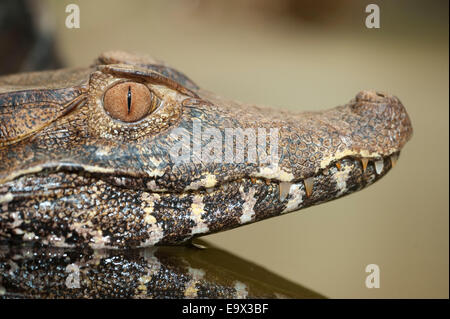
129	152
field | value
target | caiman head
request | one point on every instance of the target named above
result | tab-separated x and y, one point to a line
130	152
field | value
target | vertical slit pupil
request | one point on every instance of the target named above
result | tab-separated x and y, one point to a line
129	99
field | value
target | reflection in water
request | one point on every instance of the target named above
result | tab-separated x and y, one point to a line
158	272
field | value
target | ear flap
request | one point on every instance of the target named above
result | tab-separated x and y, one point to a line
147	62
23	113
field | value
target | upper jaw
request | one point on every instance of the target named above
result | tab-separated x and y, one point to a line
373	127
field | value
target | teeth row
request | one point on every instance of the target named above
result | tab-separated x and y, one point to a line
284	187
379	164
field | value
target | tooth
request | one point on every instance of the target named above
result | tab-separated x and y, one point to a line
309	184
364	162
338	165
284	190
379	166
394	158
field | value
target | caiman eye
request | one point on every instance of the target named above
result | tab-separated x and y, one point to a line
129	101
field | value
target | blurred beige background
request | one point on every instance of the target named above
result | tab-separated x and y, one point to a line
307	55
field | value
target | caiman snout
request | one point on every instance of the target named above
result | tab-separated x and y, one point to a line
383	120
371	127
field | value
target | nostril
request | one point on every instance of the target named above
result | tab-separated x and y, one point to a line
372	96
379	120
372	103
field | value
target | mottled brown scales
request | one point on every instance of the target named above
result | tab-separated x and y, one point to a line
73	173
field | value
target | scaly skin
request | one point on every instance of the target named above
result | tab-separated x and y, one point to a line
71	175
155	272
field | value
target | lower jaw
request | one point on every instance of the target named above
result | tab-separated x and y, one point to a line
102	215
